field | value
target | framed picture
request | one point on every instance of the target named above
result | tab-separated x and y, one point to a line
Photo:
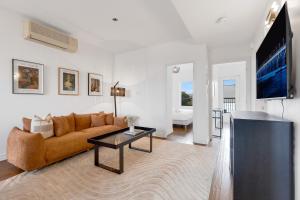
28	77
95	85
68	82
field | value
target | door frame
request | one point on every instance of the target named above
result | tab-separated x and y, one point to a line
168	92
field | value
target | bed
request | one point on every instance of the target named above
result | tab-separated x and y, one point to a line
183	117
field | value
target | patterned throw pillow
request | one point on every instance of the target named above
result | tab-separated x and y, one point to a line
43	126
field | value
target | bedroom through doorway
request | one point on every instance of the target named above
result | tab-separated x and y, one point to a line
181	96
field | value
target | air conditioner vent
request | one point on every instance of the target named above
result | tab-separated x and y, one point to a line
49	36
49	33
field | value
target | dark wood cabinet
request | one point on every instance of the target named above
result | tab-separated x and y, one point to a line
261	156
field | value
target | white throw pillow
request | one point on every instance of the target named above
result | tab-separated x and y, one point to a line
43	126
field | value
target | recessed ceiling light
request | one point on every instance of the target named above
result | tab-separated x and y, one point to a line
221	20
115	19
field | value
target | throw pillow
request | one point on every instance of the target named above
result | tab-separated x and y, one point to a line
26	124
98	120
44	126
63	124
109	120
121	122
82	121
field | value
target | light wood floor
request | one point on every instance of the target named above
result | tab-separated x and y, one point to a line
222	188
181	135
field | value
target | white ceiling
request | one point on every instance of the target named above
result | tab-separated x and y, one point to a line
147	22
243	17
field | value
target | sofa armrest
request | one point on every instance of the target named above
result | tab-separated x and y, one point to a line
121	122
25	150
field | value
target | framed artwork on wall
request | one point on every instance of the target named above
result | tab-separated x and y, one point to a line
68	82
28	77
95	84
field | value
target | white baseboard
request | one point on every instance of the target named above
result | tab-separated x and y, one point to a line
2	156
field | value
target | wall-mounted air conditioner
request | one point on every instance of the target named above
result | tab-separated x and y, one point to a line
49	36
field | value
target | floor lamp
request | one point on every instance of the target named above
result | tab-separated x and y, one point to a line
117	91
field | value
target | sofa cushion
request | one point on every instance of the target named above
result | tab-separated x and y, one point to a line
82	121
96	131
98	120
26	124
58	148
63	124
109	120
121	122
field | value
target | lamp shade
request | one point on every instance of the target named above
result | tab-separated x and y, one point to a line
117	91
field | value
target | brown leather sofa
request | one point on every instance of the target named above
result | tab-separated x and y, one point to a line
30	151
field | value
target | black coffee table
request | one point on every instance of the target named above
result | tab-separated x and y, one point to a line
117	140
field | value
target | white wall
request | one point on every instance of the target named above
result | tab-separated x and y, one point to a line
144	74
13	107
291	106
230	54
185	75
227	71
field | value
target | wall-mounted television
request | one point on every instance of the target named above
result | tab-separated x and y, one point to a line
274	60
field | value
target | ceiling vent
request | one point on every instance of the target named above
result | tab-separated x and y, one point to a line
49	37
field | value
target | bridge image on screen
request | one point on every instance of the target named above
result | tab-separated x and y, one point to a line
272	76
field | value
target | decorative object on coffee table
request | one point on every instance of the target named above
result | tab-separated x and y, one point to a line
117	91
95	84
28	77
131	120
117	140
68	82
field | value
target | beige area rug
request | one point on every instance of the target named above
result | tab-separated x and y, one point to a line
171	171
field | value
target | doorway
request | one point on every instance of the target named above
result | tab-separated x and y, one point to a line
181	98
229	95
228	89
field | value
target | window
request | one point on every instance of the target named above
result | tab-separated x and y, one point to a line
229	96
187	93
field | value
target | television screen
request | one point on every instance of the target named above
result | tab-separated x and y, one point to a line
272	60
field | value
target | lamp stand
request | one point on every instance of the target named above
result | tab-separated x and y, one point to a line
115	98
115	105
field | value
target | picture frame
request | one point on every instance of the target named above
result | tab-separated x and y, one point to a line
95	84
27	77
68	81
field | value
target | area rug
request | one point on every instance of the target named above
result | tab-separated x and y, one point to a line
172	171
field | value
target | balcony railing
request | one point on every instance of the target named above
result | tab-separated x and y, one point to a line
229	105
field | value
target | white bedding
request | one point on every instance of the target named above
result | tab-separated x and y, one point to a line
182	117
